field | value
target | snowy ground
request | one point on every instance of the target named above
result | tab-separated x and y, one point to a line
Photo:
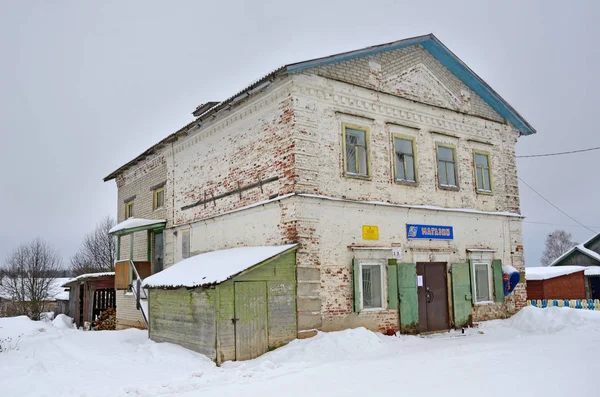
539	352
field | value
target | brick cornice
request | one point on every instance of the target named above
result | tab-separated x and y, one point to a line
457	122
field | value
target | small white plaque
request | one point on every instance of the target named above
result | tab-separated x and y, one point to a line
397	252
419	281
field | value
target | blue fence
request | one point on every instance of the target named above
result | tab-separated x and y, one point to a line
587	304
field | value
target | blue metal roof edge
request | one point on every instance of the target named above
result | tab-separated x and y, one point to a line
446	58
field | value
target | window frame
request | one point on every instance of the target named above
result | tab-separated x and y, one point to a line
383	286
414	155
489	158
129	209
155	193
490	280
437	162
366	130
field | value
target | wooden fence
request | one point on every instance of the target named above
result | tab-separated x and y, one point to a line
587	304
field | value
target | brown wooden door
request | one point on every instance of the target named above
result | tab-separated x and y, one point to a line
251	339
433	296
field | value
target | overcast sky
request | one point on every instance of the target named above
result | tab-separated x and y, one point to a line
86	87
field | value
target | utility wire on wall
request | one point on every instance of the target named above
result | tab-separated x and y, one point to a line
559	153
549	202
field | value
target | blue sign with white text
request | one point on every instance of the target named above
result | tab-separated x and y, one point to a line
433	232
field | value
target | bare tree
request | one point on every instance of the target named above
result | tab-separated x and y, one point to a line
29	278
98	251
557	243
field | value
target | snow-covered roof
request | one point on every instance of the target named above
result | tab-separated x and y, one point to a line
547	272
592	271
86	276
132	223
213	267
581	248
56	290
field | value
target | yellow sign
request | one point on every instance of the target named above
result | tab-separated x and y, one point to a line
370	232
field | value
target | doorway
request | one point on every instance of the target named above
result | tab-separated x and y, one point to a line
432	291
158	252
81	305
594	287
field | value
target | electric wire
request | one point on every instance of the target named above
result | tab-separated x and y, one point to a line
552	204
559	153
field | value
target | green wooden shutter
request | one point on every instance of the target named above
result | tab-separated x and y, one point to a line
461	295
498	282
392	274
407	291
356	285
472	275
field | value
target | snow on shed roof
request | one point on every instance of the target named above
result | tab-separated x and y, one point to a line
135	222
547	272
88	275
213	267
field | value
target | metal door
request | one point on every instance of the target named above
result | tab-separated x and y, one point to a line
158	252
433	296
251	339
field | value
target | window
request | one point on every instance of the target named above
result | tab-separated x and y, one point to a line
356	151
129	210
371	285
159	198
483	175
482	281
446	167
185	244
404	153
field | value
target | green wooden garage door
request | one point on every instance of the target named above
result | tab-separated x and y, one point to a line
251	339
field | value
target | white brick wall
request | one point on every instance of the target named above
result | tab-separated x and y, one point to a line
323	105
292	131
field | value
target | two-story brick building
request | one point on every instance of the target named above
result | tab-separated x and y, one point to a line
392	168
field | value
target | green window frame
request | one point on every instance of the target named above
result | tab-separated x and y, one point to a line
482	281
129	209
356	151
158	200
405	159
483	172
446	166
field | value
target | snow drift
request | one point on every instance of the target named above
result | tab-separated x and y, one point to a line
354	362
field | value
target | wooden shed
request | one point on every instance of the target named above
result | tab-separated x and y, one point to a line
89	295
561	282
233	304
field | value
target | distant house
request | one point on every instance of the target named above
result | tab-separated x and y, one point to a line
587	255
54	303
